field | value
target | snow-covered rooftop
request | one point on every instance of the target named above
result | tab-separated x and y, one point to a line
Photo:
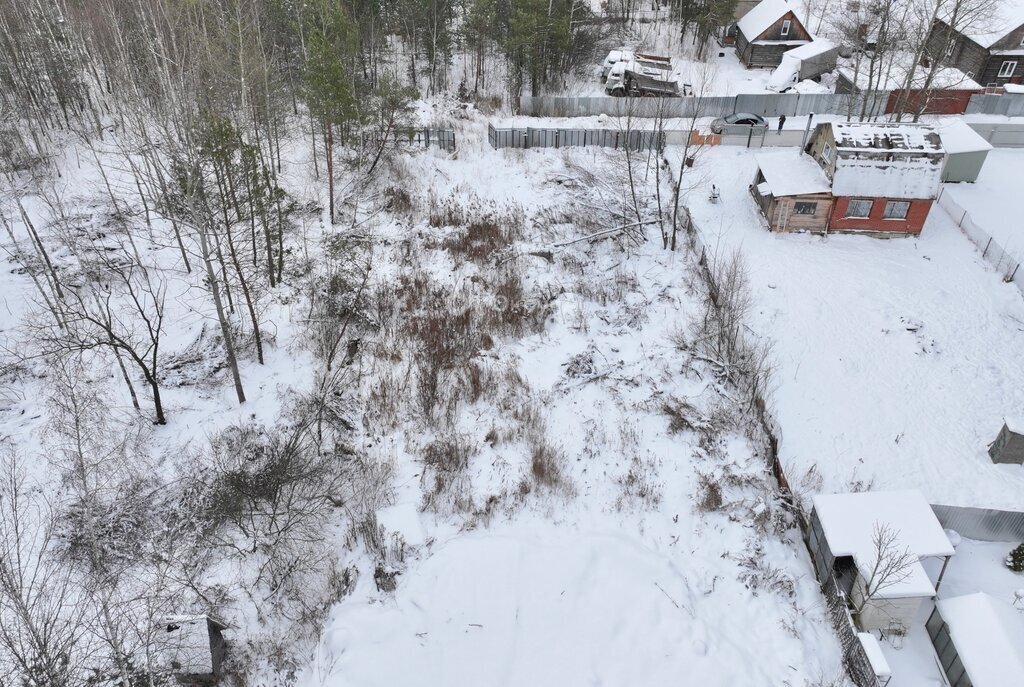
849	522
894	78
806	51
1008	16
791	173
766	13
958	137
988	634
886	136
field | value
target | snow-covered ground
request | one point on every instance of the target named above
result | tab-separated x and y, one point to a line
992	201
896	359
616	577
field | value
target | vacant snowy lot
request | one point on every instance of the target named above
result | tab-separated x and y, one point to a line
897	360
627	567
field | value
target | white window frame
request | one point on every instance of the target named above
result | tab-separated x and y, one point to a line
850	205
826	153
813	205
1022	41
1004	72
786	26
905	204
950	48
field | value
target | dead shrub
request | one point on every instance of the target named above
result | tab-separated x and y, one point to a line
638	486
709	495
398	200
478	242
546	462
448	455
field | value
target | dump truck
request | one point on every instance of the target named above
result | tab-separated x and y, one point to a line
636	78
623	55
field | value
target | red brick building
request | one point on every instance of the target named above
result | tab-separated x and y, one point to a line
884	176
876	179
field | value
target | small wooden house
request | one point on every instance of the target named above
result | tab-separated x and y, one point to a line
990	49
843	542
792	192
767	31
192	647
978	641
885	176
1009	444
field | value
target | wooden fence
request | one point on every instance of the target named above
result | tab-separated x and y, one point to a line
562	138
855	659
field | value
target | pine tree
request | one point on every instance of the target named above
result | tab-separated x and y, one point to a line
1015	559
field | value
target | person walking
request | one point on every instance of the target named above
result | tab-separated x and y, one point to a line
782	121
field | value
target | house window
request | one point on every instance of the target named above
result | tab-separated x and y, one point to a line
896	209
859	208
826	153
805	208
786	25
1009	66
949	48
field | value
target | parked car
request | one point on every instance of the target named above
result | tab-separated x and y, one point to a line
737	119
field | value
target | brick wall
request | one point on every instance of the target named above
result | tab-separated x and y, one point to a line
914	222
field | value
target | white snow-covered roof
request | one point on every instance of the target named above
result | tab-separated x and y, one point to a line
988	634
886	136
791	173
958	137
849	522
1013	88
767	12
874	654
1008	16
818	46
894	77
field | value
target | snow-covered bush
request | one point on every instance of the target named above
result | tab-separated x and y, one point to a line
1015	559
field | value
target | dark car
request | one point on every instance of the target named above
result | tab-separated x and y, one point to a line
737	119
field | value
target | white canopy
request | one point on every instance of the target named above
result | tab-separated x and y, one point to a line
849	522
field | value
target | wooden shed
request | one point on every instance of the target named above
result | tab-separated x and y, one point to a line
1009	444
792	191
843	544
768	31
192	647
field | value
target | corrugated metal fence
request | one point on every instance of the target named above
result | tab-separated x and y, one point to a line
1009	104
560	138
985	524
765	104
1000	134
